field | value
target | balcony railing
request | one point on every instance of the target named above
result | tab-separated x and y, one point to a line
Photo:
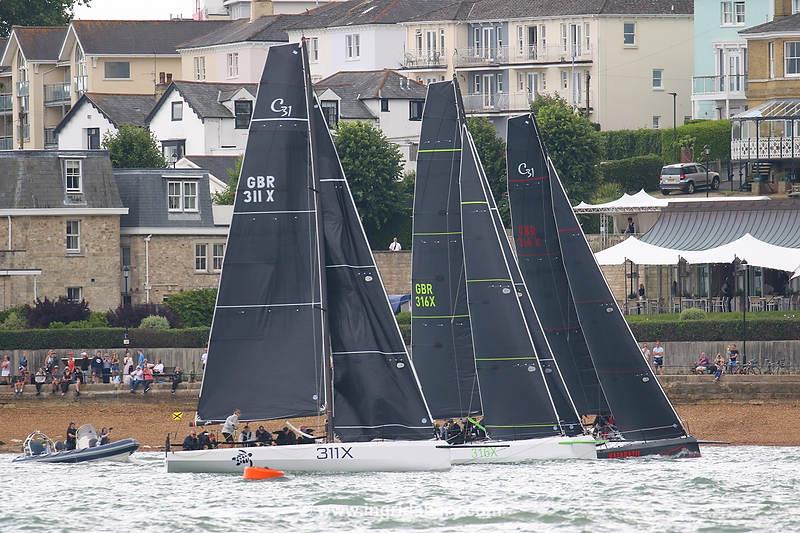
765	148
500	55
50	138
5	103
81	84
726	86
23	88
57	93
6	143
426	59
497	102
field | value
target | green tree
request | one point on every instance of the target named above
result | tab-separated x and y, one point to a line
373	167
573	144
133	147
227	196
36	13
194	308
492	151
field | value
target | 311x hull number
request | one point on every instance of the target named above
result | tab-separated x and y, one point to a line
334	452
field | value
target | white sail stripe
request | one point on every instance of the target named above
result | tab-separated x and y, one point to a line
369	351
333	179
268	305
350	266
272	212
383	426
279	119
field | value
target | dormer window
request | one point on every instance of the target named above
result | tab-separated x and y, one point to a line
72	176
182	196
243	110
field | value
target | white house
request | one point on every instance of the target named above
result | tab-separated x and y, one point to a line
220	168
357	34
202	118
385	99
95	114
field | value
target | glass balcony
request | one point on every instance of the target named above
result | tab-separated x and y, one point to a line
23	88
50	138
81	84
477	103
723	87
57	93
426	59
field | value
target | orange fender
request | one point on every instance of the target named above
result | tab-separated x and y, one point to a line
257	472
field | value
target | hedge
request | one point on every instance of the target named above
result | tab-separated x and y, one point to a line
634	173
622	144
714	133
59	339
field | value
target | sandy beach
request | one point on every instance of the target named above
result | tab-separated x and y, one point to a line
758	423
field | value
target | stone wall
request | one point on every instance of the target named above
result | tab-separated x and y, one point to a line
39	242
172	265
395	269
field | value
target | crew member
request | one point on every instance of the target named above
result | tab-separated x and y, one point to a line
229	428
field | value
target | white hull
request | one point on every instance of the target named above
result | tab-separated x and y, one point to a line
521	451
405	456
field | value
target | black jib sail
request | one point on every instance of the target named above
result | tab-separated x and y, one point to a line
515	398
266	347
376	392
641	409
441	345
539	255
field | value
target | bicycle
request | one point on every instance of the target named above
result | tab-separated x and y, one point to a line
750	369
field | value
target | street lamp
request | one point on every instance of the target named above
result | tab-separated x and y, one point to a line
742	268
126	272
707	154
675	123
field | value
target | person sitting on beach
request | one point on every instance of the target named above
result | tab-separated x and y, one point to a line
147	376
72	436
230	425
177	378
51	361
66	379
39	380
191	442
719	366
19	381
78	377
701	366
137	377
263	437
158	368
55	379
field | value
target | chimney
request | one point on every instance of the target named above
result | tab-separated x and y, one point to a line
260	8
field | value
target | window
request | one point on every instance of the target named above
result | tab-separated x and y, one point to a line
233	64
313	49
72	175
575	40
629	33
243	110
564	79
384	105
173	150
352	46
564	38
217	256
795	6
771	52
587	39
732	12
543	36
177	111
415	108
125	256
200	68
791	52
577	87
330	109
93	138
73	236
182	196
201	257
418	41
117	70
656	122
75	294
658	79
738	12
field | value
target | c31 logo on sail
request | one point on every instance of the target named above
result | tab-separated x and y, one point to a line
524	170
259	189
280	107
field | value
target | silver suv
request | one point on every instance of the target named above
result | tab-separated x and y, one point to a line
687	177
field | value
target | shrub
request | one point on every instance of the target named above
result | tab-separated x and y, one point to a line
154	322
634	173
693	314
623	144
14	320
43	312
96	320
130	316
714	133
193	308
58	339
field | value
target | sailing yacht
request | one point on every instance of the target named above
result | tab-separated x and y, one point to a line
472	337
302	324
604	369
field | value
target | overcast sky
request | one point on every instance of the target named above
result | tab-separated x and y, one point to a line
135	9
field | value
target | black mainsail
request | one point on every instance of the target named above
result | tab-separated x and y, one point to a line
376	392
539	254
515	398
441	343
269	302
302	320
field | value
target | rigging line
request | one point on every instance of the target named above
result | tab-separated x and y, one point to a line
369	351
529	358
440	316
487	280
332	179
274	212
383	426
434	233
303	304
435	150
650	429
473	203
350	266
521	426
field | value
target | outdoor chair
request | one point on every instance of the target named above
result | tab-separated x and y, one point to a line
756	303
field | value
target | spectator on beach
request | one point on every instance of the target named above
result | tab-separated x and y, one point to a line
85	363
19	381
79	378
177	378
140	359
646	351
701	366
147	375
50	362
97	367
395	246
658	357
106	368
204	358
719	366
733	358
72	436
23	361
246	436
55	379
230	425
39	380
137	377
115	378
5	369
158	370
66	379
127	368
70	362
263	437
191	442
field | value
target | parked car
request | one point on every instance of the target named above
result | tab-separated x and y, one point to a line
687	177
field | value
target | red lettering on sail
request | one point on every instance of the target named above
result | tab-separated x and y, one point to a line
527	237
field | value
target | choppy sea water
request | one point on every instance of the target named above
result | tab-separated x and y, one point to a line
728	489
